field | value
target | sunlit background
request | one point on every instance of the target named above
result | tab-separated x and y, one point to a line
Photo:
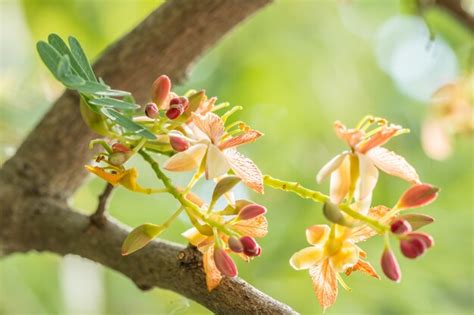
296	67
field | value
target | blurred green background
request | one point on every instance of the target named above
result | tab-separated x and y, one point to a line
296	67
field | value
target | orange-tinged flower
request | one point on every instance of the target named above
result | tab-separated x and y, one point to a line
256	227
213	144
329	255
355	173
126	178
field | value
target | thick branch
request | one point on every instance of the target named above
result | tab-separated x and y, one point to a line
455	8
50	161
51	226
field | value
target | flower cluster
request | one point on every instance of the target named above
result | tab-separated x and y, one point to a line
353	177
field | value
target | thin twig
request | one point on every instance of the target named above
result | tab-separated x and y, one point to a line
98	218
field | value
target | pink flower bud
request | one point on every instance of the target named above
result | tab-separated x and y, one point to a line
151	110
179	144
417	220
251	211
390	266
418	196
235	245
160	90
400	227
250	246
412	247
224	263
118	147
175	111
424	237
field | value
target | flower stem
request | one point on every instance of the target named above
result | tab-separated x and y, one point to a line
376	225
296	188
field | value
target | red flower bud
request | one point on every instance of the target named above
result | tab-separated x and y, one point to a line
425	238
235	245
175	111
224	263
390	266
178	143
250	246
400	227
151	110
251	211
118	147
161	89
412	247
418	196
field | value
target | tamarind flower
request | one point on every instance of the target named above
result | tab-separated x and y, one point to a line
331	253
214	147
355	173
218	265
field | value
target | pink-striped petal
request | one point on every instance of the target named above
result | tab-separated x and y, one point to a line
211	124
247	137
245	169
393	164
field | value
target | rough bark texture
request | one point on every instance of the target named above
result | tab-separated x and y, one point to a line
48	167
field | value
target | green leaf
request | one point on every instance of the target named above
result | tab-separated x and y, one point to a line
90	88
50	56
114	103
64	67
140	237
81	58
110	92
57	42
127	123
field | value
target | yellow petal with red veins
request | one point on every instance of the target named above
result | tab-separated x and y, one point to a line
393	164
317	234
248	137
378	139
324	283
213	275
186	160
365	267
113	179
340	181
245	169
256	227
307	257
346	257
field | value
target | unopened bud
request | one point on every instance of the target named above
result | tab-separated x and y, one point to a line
224	263
118	158
412	248
179	144
151	110
160	90
250	246
400	227
424	237
235	245
223	186
251	211
390	266
417	220
118	147
174	111
141	236
418	196
333	213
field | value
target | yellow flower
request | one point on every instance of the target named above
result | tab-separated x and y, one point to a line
331	253
126	178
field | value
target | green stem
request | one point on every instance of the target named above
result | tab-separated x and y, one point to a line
173	217
296	188
376	225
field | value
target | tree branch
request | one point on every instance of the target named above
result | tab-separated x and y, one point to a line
455	8
50	226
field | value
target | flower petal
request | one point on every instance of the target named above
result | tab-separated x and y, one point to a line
186	160
317	234
340	181
330	166
245	169
393	164
211	124
368	176
346	257
216	162
378	139
324	283
256	227
113	179
364	232
365	267
247	137
213	275
307	257
193	236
